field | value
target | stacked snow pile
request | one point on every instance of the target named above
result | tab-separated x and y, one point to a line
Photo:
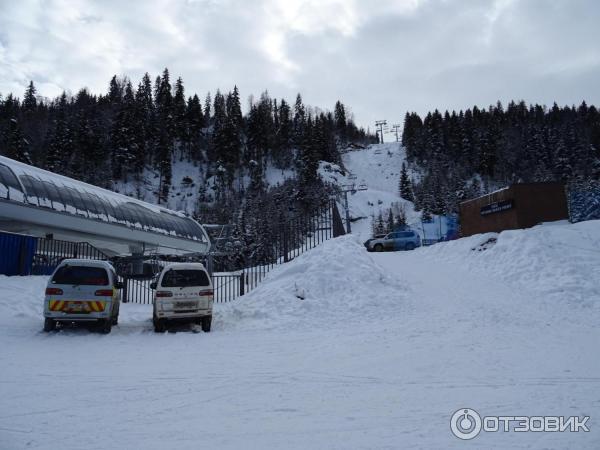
335	283
22	298
558	260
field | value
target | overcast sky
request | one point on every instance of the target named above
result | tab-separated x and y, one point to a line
381	58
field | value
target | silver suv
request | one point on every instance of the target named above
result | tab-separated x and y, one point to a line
398	240
183	293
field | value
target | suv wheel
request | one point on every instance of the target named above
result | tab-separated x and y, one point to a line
410	246
378	248
106	326
49	325
159	325
206	321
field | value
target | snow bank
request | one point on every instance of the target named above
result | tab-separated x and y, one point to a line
379	354
558	260
22	297
335	283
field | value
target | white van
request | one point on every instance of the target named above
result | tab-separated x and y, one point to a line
83	291
183	293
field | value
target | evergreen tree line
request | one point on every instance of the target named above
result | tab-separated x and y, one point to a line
462	155
389	220
115	136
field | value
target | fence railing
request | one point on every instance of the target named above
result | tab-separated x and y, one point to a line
50	252
137	290
297	236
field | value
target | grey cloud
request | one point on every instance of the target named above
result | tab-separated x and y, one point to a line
381	61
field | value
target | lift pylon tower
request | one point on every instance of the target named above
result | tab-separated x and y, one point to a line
352	188
395	130
379	124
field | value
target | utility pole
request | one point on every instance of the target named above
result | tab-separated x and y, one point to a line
379	124
396	128
352	188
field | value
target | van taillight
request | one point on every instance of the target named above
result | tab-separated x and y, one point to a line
207	292
54	291
164	294
103	293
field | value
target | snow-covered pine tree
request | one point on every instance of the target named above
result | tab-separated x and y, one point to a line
123	136
405	184
180	125
29	99
60	139
390	225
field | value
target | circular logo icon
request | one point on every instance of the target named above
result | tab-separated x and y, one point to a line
465	423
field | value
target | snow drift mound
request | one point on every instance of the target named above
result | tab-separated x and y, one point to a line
335	283
559	260
22	297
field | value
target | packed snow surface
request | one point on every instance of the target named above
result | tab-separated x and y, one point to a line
337	349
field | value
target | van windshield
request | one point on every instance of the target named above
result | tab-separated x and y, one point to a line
185	278
81	275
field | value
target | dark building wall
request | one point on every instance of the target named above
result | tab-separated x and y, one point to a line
540	202
472	222
532	203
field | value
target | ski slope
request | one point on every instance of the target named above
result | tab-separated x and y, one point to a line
338	349
378	168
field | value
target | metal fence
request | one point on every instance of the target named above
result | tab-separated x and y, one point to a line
137	290
295	237
50	252
583	200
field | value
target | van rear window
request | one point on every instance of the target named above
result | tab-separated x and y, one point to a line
81	275
185	278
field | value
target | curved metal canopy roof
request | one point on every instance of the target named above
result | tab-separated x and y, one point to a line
45	201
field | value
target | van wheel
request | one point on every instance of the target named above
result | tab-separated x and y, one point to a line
159	326
206	321
410	246
106	326
378	248
115	319
49	325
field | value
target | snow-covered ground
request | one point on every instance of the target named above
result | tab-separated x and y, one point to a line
338	349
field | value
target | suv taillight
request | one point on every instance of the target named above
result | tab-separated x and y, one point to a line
103	293
164	294
207	292
54	291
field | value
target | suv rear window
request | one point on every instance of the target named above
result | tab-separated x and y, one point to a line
185	278
81	275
